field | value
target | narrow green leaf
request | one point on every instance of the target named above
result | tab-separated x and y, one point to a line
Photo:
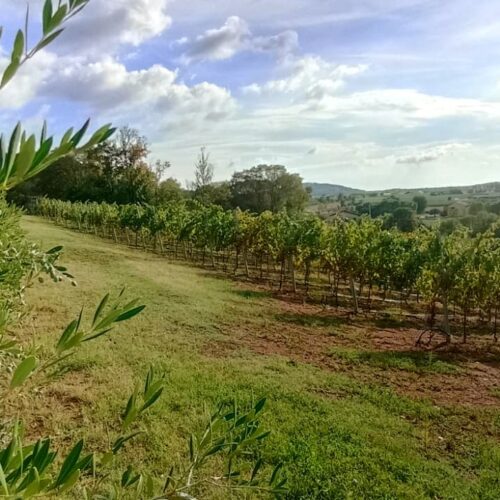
151	401
12	151
3	482
18	49
68	466
68	332
25	158
70	482
96	335
275	473
58	17
54	250
256	468
260	405
66	137
9	73
48	39
23	371
100	308
47	16
130	314
75	140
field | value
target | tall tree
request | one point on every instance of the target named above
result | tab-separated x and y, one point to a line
420	203
204	170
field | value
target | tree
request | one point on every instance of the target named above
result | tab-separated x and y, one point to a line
214	194
115	171
494	208
268	188
421	203
204	171
402	218
160	168
476	208
122	162
169	191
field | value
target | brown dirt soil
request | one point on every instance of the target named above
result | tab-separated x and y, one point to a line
306	333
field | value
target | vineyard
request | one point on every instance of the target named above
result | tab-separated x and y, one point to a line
452	282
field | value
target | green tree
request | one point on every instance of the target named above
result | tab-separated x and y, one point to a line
402	218
476	208
420	203
268	188
115	171
214	194
169	191
204	171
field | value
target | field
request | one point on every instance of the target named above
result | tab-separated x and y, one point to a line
437	198
356	411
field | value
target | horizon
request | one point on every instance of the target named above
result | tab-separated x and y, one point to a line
403	188
361	94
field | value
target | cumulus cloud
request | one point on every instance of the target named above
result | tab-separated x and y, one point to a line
107	88
431	154
220	43
104	26
234	37
24	89
309	77
282	44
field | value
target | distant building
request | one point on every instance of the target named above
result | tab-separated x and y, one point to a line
347	215
457	209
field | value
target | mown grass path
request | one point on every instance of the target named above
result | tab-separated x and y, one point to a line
340	433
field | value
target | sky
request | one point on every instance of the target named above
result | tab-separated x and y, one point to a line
371	94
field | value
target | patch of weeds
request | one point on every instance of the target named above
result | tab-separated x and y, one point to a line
408	361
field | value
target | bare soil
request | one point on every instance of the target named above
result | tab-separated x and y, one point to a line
308	333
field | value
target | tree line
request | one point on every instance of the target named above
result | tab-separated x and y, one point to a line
118	171
458	273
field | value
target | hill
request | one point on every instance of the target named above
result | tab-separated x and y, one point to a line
319	190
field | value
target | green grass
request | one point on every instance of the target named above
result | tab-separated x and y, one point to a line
409	361
339	437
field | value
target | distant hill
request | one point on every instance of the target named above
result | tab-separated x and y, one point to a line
318	189
488	187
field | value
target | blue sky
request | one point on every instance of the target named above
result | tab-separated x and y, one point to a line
366	93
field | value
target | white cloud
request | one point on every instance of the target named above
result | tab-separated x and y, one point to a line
309	77
24	88
152	98
234	37
104	25
220	43
283	44
405	106
432	154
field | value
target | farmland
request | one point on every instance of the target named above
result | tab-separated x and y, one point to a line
326	202
355	409
220	337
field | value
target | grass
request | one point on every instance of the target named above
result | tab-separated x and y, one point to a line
339	437
409	361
